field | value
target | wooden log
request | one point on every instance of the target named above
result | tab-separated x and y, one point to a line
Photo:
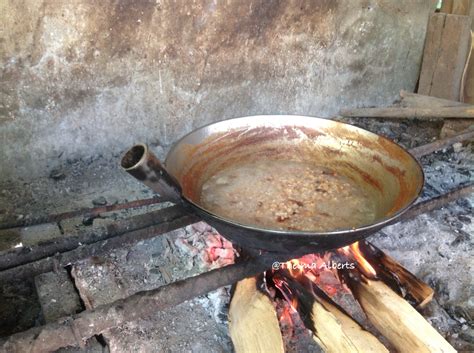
415	100
334	330
391	272
397	112
253	322
405	328
447	46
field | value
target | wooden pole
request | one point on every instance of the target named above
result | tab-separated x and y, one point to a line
415	100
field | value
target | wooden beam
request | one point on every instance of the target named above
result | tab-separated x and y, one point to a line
253	322
405	328
403	113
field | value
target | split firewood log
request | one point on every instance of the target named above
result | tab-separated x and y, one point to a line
253	322
334	330
405	328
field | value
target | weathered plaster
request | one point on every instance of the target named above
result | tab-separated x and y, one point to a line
84	77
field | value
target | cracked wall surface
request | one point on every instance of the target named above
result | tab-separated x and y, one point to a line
83	78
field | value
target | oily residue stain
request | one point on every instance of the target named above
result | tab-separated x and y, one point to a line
354	157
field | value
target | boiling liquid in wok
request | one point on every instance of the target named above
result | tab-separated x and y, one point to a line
287	195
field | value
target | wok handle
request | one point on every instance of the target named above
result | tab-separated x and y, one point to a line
142	164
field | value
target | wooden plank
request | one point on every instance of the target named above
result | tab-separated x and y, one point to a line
431	51
414	100
400	112
446	6
467	95
461	7
446	49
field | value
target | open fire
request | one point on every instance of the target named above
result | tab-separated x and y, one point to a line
351	300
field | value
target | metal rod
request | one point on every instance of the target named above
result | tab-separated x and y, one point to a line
84	212
428	148
48	264
437	202
74	330
101	247
20	256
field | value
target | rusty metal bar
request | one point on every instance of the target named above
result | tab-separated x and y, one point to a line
437	202
437	145
20	256
48	264
74	330
84	212
182	219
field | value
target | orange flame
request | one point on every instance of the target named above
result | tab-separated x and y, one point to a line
354	250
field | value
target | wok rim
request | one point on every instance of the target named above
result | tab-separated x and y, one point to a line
377	225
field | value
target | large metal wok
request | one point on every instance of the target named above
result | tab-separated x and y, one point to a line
374	162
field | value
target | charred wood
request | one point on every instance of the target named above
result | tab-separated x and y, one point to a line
392	273
334	330
423	150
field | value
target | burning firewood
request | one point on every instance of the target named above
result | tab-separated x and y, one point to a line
334	330
253	323
405	328
396	276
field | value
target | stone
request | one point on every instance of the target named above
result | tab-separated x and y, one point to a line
32	235
57	174
100	201
56	295
58	298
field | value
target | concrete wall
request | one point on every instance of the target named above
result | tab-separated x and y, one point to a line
82	77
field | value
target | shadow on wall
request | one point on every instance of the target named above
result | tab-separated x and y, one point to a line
88	77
